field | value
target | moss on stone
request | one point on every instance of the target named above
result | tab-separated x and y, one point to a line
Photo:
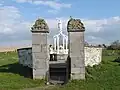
40	24
75	24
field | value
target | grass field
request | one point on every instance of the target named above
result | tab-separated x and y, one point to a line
105	76
9	74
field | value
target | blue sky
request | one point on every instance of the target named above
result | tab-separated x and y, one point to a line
100	17
94	9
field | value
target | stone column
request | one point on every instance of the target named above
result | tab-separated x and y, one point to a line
39	49
76	48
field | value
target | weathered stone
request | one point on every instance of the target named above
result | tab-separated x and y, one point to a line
40	56
25	56
39	73
39	38
40	26
93	56
76	53
37	57
39	49
76	48
77	76
75	25
78	70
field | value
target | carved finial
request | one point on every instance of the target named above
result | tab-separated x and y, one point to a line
40	25
75	25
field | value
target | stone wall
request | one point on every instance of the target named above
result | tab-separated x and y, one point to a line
93	56
25	56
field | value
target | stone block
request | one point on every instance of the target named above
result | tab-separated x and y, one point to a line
39	73
38	38
40	54
40	63
39	48
78	70
93	56
76	46
78	76
77	62
25	56
37	55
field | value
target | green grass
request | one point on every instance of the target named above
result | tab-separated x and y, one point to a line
105	76
10	77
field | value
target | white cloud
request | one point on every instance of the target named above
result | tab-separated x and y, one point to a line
5	10
53	4
104	30
53	11
1	4
13	29
97	31
21	1
8	14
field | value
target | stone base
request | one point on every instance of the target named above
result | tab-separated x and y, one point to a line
39	77
39	74
78	76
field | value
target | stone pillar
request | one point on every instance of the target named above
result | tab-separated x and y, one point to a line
76	48
40	49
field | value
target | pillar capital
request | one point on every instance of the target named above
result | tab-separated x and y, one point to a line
76	30
40	49
75	25
40	26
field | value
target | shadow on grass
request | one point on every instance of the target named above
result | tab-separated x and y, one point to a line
16	68
117	60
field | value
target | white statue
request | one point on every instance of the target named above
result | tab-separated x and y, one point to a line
57	47
50	49
60	25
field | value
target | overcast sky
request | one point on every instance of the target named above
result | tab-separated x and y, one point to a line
100	17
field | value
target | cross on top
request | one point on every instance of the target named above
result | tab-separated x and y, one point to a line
60	25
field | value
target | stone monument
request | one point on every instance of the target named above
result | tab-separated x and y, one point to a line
40	49
76	30
59	70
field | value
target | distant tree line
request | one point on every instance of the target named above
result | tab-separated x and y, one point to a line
115	45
